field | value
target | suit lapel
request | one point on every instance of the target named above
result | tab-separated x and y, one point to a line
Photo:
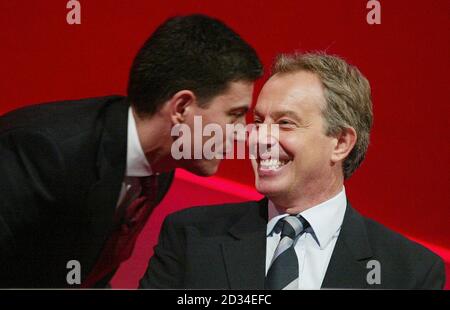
347	267
103	195
164	182
111	166
245	255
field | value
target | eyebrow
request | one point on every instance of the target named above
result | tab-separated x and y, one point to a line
244	109
279	114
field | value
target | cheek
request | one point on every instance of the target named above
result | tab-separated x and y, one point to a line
320	148
291	144
307	150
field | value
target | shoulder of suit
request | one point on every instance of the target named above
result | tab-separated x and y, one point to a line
383	239
211	213
59	122
45	116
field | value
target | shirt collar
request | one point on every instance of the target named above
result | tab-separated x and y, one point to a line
137	164
325	218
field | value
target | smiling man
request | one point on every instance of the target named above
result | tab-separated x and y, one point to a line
304	234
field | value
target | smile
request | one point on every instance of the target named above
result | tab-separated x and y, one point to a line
269	167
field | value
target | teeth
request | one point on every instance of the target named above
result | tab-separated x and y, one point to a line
271	163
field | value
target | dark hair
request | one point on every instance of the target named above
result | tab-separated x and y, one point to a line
194	52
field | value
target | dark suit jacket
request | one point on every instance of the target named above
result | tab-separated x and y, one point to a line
224	247
61	169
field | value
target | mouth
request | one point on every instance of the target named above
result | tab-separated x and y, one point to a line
271	166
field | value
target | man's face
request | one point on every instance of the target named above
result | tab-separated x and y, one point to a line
229	107
294	101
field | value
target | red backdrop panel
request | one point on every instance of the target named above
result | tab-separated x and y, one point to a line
404	181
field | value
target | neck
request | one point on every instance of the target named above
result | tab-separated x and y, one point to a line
309	196
154	136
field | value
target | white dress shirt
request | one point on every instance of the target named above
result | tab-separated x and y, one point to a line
137	164
313	248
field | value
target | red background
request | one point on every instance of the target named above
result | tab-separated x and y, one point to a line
404	182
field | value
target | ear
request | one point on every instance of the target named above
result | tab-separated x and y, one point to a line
344	143
180	105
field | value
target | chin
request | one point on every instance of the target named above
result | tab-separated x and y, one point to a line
205	169
268	188
207	173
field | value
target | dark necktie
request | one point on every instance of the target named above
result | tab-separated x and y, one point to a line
283	271
129	221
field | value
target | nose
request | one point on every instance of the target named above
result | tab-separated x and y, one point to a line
235	139
265	139
239	133
268	134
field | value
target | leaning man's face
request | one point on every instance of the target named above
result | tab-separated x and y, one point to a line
294	102
228	108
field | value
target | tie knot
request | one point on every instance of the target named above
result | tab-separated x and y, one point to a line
291	226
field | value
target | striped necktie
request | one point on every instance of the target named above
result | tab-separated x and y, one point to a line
283	271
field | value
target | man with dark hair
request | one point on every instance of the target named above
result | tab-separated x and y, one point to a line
79	179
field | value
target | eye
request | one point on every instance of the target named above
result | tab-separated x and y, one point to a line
285	122
238	114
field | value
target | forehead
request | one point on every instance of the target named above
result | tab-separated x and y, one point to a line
236	93
300	91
